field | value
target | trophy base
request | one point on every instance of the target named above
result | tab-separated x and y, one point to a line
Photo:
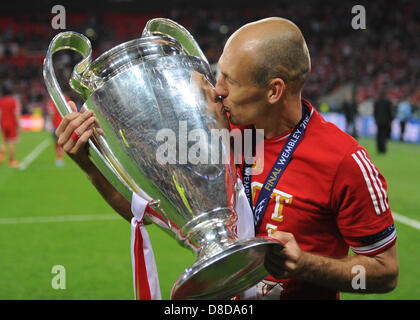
225	275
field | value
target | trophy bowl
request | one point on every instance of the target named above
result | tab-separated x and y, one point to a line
155	138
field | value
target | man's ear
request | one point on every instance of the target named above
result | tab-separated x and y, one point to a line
276	90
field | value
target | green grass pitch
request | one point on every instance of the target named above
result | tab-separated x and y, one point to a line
96	253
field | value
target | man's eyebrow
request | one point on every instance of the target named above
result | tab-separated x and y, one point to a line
225	75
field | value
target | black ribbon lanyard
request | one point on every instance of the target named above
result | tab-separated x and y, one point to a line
276	171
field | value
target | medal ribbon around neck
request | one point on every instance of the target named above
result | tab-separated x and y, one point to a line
276	171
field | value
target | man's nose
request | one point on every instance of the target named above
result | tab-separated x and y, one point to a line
220	88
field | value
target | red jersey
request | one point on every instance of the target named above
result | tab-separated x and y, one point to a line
10	109
55	115
330	197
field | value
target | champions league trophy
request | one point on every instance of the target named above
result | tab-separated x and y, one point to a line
137	89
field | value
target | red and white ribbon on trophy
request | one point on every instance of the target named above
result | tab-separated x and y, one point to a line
145	275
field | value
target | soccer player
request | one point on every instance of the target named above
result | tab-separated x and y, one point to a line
10	110
55	122
319	192
329	197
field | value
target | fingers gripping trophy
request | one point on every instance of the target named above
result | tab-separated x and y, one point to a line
137	90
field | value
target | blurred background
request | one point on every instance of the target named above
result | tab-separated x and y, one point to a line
346	63
40	227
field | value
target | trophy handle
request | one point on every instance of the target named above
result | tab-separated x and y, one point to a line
101	156
169	28
67	41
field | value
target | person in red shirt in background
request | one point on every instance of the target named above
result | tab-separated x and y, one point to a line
10	110
55	122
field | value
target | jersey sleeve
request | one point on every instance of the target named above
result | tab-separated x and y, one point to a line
360	201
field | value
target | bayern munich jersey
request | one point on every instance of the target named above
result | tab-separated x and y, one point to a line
331	197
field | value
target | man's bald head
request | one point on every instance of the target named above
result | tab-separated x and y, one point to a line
278	50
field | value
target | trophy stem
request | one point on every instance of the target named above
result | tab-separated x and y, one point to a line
211	232
225	266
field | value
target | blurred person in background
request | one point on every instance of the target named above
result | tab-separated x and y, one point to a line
349	108
383	117
10	111
403	115
55	119
2	146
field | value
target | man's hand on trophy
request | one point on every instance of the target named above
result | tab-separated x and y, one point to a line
284	262
74	132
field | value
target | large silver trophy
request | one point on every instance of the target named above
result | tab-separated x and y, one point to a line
138	90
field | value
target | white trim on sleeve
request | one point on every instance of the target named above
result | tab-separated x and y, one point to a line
376	246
